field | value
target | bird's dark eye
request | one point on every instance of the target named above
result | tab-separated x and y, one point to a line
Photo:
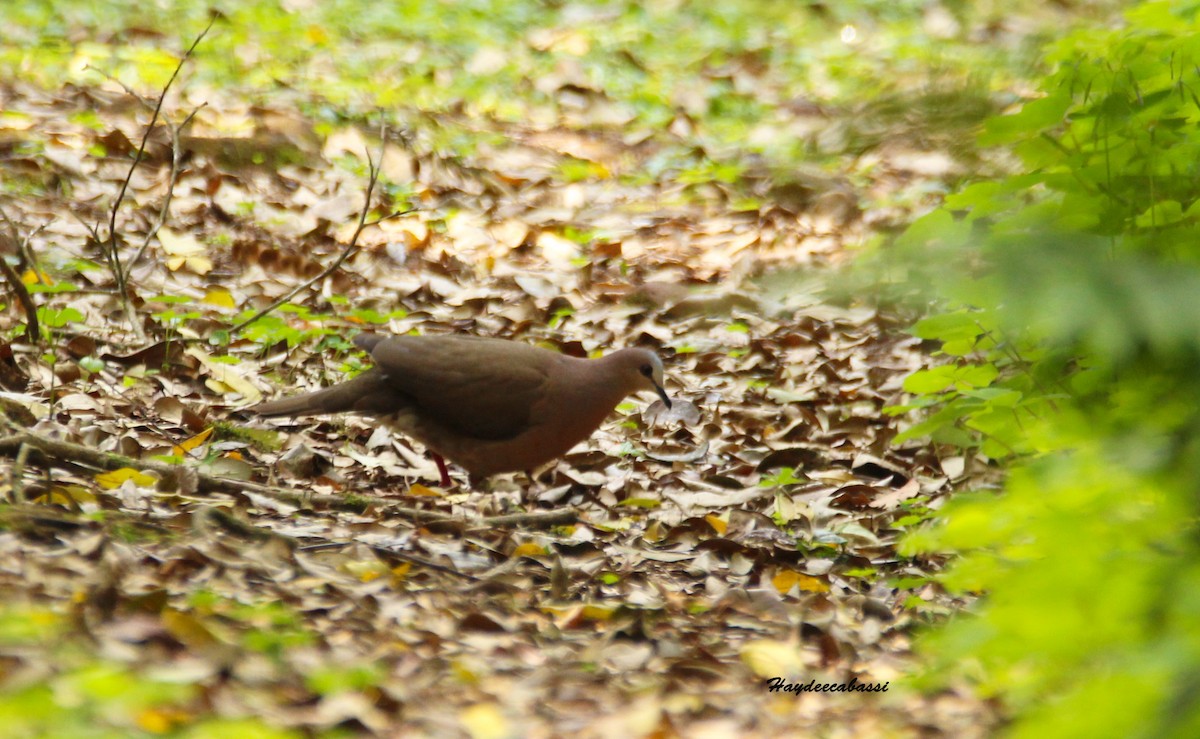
646	370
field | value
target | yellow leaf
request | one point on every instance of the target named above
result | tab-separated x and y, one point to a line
179	245
718	525
528	549
426	492
484	721
784	580
199	265
218	387
188	629
116	478
413	231
464	672
225	375
570	617
316	35
598	613
160	720
367	571
192	443
153	721
32	278
220	298
812	584
184	249
66	495
770	658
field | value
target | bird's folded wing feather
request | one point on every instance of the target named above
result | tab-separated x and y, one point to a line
479	388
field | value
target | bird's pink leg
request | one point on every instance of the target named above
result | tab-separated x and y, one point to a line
441	464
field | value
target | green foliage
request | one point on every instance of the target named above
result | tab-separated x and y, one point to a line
83	696
58	317
262	439
272	329
785	476
58	287
366	315
25	625
1071	339
240	728
726	68
330	680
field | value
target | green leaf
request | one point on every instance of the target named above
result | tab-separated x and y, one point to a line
1160	214
954	326
931	381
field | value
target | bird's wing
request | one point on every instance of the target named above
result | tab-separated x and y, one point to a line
477	387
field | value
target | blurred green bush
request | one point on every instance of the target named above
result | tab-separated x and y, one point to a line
1071	330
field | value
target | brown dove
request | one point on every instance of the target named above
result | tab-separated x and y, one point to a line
489	405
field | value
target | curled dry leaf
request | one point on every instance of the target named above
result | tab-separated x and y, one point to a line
184	250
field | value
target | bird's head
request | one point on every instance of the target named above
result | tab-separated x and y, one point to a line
644	370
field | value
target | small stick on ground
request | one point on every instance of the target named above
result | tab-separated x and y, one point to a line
351	247
53	451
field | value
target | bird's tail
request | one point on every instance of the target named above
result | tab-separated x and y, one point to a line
346	397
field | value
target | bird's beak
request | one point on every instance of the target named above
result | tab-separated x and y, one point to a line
662	394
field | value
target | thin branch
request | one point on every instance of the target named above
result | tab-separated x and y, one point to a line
25	245
17	474
211	516
176	159
386	552
390	216
350	247
32	331
172	179
114	256
47	451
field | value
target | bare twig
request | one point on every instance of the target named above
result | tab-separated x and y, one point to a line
209	518
17	474
390	216
176	159
114	255
47	451
23	244
32	332
172	178
350	247
386	552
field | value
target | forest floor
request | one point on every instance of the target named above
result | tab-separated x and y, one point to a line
651	583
